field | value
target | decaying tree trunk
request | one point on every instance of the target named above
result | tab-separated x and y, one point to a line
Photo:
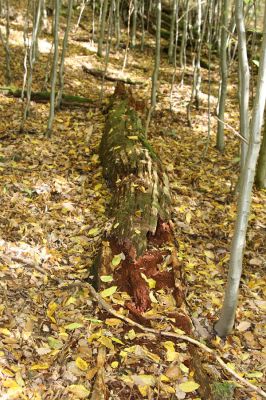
140	208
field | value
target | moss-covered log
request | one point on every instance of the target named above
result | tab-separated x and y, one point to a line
43	97
141	197
140	207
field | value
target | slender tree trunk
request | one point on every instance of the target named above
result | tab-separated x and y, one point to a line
195	92
108	45
54	69
224	73
142	24
5	42
82	8
117	23
157	55
134	23
184	43
243	79
44	17
227	318
253	49
261	166
26	48
28	75
102	28
175	52
130	10
217	24
172	31
93	20
64	50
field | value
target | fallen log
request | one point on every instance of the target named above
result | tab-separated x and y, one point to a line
110	76
140	211
43	97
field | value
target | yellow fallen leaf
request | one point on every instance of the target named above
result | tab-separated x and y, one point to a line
116	340
108	292
107	342
133	137
188	217
27	331
116	260
114	364
79	390
37	367
73	326
7	372
81	364
95	335
188	386
209	254
143	390
51	310
170	350
10	383
164	378
106	278
71	300
152	297
143	379
131	334
97	187
113	321
93	232
184	368
5	331
20	381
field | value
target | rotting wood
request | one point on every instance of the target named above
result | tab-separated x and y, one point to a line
140	211
112	77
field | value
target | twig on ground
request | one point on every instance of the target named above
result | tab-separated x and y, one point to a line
26	261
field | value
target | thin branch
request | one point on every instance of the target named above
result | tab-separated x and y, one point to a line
233	130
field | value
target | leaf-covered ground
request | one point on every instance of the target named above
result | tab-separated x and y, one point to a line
55	342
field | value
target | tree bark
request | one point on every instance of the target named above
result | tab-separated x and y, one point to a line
172	31
243	79
54	68
102	29
134	23
157	55
224	74
261	166
227	318
63	54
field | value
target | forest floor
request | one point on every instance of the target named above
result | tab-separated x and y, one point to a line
54	204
